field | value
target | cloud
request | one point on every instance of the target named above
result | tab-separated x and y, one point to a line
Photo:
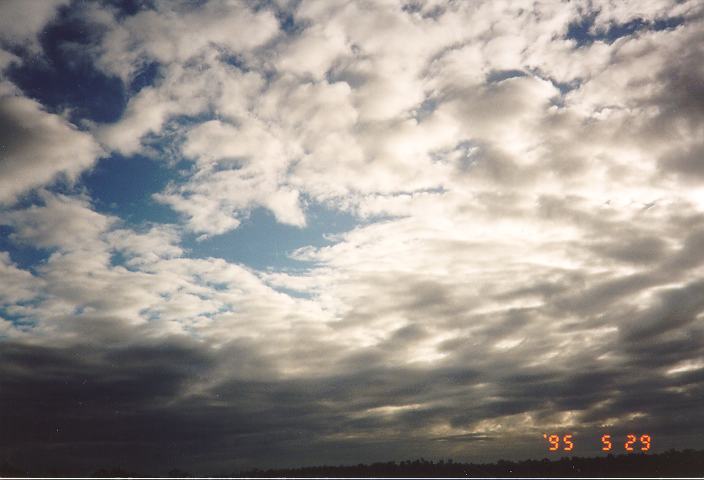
63	222
313	52
22	23
157	243
239	168
20	285
154	289
676	309
38	147
527	253
160	33
94	395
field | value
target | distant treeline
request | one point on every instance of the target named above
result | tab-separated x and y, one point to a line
673	463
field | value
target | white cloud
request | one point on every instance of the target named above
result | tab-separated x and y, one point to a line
178	31
18	285
63	222
142	248
313	52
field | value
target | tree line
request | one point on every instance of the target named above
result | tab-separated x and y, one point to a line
672	463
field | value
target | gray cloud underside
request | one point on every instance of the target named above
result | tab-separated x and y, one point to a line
83	407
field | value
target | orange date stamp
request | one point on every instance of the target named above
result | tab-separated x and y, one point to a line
633	442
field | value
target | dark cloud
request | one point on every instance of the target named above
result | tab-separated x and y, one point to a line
59	400
148	406
37	147
638	250
686	161
676	308
682	96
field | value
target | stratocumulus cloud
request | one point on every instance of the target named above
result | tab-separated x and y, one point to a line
481	221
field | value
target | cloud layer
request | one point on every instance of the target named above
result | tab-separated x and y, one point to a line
527	181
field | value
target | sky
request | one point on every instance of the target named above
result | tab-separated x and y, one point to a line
240	234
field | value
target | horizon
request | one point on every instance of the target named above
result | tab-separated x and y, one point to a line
669	464
338	232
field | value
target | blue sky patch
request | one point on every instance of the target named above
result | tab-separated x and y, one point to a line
24	255
123	186
582	31
65	77
261	242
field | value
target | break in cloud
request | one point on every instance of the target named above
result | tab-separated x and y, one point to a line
527	187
